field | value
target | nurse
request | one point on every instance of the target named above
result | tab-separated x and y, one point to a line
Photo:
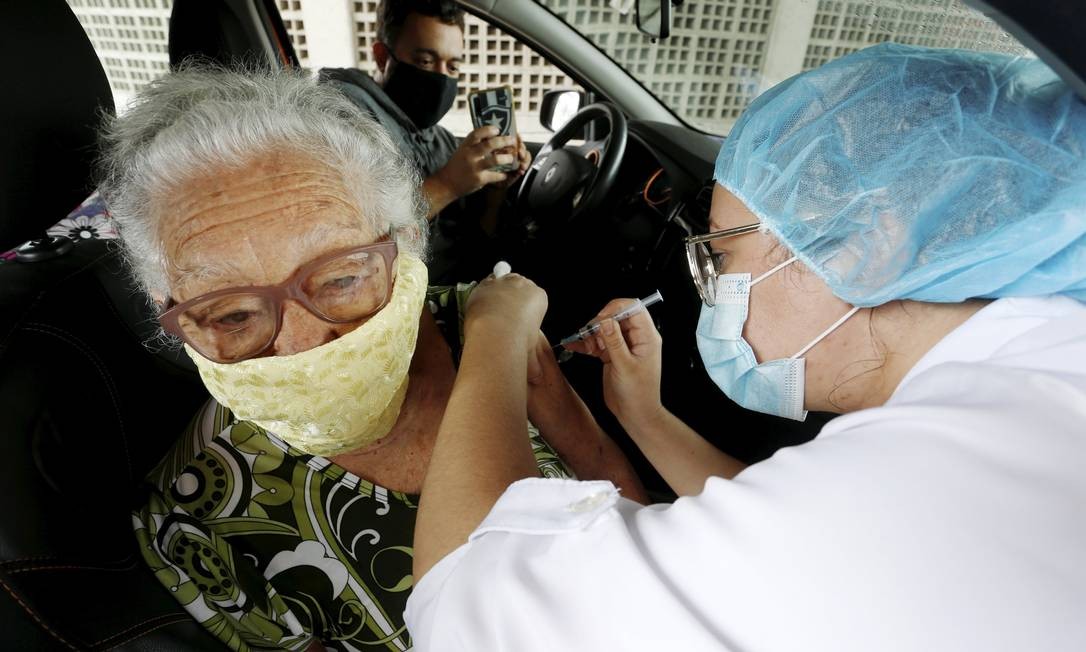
898	236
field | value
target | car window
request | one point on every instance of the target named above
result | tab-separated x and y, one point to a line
722	53
294	22
130	37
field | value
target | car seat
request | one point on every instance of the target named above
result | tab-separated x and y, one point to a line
86	408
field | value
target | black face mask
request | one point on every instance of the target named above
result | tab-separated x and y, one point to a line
423	95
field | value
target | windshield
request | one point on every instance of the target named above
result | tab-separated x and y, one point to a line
722	53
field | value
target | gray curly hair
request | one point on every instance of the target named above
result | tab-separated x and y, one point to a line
205	118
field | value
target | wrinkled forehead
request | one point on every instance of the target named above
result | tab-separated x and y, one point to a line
256	224
728	211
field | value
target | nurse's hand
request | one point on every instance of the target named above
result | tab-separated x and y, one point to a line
506	311
630	351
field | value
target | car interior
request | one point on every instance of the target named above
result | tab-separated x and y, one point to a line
90	402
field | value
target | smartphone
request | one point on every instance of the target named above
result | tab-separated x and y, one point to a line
494	106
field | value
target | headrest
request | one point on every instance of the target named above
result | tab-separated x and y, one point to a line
49	117
215	31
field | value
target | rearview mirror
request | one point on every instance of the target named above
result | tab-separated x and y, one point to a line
654	18
557	107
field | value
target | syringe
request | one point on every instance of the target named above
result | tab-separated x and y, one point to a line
628	311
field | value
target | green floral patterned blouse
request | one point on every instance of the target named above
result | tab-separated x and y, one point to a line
268	547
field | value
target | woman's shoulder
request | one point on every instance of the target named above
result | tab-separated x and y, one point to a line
999	352
211	420
1001	397
218	447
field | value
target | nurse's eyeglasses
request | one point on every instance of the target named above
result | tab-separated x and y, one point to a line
706	264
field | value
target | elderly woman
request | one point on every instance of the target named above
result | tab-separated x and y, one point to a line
900	236
282	236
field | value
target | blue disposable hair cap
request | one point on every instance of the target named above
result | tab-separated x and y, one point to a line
915	173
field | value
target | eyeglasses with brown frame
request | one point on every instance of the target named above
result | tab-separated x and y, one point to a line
235	324
706	264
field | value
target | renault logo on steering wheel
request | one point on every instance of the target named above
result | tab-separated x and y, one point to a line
550	173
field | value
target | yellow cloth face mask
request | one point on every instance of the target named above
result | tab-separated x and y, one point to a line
337	397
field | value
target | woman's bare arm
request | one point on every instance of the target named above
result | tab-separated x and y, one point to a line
570	428
482	445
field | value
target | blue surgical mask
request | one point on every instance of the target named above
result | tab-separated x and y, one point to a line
773	387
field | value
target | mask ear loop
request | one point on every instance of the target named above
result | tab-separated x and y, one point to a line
826	332
774	270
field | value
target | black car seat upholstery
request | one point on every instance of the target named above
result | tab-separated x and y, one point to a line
230	33
85	408
57	65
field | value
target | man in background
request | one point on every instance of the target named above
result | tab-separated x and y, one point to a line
418	53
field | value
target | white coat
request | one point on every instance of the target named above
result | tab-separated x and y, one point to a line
952	518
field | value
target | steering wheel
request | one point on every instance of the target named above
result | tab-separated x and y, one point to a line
571	181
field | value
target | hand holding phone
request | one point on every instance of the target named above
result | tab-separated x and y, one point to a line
494	107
